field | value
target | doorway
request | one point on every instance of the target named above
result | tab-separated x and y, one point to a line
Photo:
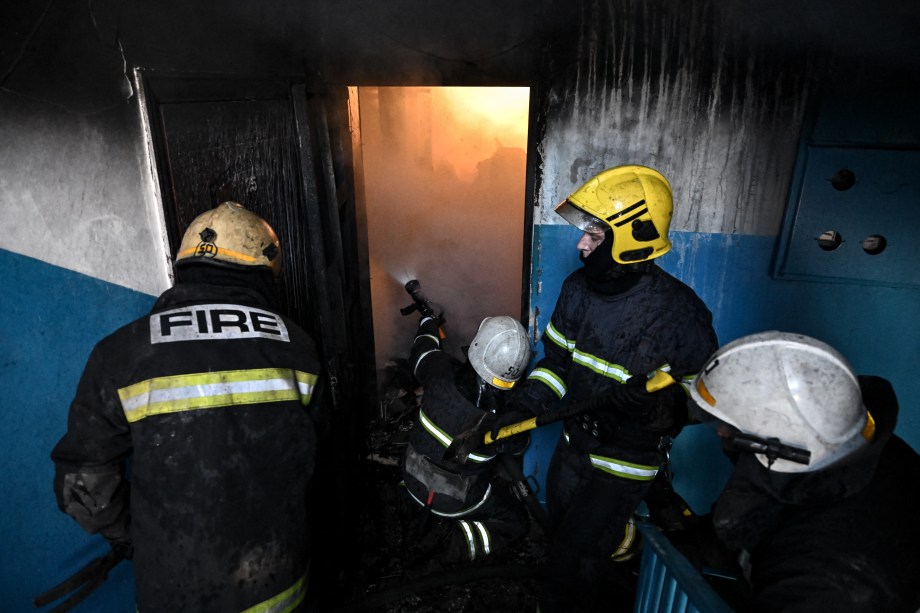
444	181
282	151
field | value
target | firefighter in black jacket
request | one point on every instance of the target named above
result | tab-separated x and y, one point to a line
818	508
465	513
618	320
212	398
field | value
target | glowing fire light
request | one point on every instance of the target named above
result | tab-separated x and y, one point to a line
482	118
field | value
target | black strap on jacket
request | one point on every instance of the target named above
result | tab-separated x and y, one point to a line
87	579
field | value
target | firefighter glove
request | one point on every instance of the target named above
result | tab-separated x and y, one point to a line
508	416
632	399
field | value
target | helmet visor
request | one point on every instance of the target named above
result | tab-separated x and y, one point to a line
580	219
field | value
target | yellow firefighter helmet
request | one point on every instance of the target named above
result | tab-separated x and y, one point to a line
231	235
635	202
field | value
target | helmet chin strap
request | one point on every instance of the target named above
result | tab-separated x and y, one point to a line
475	389
486	395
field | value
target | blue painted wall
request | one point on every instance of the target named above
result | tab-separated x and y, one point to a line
50	319
875	327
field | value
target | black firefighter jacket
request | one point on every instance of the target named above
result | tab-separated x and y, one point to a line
594	342
844	538
445	413
210	397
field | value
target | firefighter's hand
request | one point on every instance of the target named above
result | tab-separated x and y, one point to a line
510	415
428	324
125	549
431	324
632	399
119	537
671	413
515	445
491	424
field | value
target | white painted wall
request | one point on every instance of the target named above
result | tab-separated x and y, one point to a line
76	192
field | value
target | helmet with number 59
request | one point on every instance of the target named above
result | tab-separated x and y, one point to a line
233	236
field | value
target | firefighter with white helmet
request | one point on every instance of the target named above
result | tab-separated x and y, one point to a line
462	511
213	398
618	320
815	501
500	351
810	413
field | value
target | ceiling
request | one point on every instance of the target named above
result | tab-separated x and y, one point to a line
75	54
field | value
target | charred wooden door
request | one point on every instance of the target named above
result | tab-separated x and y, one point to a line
270	145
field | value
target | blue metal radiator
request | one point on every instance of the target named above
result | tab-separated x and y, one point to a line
668	583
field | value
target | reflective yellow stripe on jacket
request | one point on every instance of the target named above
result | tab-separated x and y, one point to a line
620	468
286	601
445	439
213	390
598	365
623	469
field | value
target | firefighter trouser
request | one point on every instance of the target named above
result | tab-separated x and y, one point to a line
590	499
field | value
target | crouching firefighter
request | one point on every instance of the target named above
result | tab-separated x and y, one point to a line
464	511
213	397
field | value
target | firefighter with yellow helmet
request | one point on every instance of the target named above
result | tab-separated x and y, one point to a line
213	399
618	320
815	505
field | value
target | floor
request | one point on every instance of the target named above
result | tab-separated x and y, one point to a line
382	582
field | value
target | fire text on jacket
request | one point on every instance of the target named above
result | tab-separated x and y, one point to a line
215	322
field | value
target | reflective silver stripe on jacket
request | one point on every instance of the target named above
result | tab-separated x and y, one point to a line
620	468
598	365
472	543
601	367
444	438
549	378
422	357
213	390
460	513
557	337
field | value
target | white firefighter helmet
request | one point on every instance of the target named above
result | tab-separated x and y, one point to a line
500	351
230	235
634	202
789	387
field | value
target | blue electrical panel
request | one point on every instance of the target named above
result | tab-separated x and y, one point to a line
853	216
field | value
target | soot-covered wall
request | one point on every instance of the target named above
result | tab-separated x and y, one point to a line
720	103
715	94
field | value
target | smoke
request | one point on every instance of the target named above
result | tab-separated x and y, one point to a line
444	174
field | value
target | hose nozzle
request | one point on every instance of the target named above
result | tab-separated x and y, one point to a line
415	290
419	302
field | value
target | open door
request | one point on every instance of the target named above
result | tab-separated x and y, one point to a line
278	149
444	175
